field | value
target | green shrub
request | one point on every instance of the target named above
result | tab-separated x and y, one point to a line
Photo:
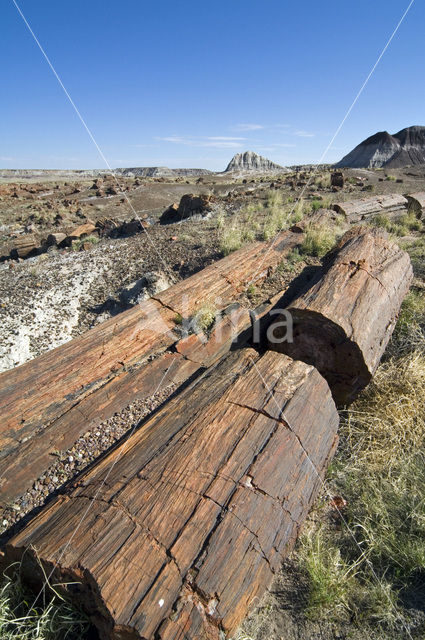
77	244
290	261
318	240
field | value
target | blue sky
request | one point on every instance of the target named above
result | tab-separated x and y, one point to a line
188	84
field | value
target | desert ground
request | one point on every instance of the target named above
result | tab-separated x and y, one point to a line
60	288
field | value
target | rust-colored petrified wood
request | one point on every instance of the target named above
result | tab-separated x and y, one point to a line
175	532
23	464
344	321
39	393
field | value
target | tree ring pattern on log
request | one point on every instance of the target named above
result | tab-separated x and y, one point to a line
325	345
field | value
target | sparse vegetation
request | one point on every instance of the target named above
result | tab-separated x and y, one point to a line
277	217
323	181
234	237
205	317
290	262
78	244
251	291
372	572
51	618
319	240
220	219
399	227
178	319
241	229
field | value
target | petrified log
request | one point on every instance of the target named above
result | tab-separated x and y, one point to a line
55	239
25	246
364	209
416	203
21	465
80	232
52	388
176	531
189	205
337	179
343	323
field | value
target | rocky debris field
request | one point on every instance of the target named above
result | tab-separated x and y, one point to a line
100	258
49	299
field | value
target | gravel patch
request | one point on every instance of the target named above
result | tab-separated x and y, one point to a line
85	450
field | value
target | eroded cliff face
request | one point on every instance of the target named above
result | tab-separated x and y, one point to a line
404	148
250	161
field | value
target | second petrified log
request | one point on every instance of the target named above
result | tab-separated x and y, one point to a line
175	532
392	205
344	321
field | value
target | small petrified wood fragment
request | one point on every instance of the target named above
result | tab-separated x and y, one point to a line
176	531
343	323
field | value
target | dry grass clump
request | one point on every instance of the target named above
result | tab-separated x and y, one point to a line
77	244
277	216
234	237
319	239
323	181
400	227
51	618
416	249
204	317
241	229
260	222
372	571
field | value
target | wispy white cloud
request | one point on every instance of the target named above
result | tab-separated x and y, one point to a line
217	142
248	127
223	138
304	134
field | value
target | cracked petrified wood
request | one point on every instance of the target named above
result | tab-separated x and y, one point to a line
22	465
175	532
391	205
54	393
344	321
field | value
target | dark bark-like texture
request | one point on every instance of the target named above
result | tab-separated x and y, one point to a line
344	321
416	203
175	532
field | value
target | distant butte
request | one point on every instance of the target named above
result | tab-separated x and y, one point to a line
252	162
407	147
